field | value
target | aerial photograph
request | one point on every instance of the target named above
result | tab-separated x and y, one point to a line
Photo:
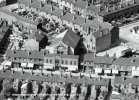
69	49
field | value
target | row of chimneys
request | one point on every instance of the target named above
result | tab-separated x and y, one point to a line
120	5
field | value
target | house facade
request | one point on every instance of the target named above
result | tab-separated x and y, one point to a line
52	61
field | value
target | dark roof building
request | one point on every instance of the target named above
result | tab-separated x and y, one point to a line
69	38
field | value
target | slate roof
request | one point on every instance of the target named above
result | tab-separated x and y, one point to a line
38	36
93	8
24	54
63	56
57	40
79	20
70	1
36	4
124	6
126	81
89	57
68	17
57	12
103	60
126	61
70	38
48	8
20	18
81	3
26	75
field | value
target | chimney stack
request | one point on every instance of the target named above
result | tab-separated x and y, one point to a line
52	8
101	33
42	3
63	13
42	72
31	1
13	71
32	72
29	52
74	17
22	72
3	70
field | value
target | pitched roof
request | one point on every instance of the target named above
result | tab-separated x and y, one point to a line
69	1
26	2
36	4
93	8
57	40
103	60
79	20
55	78
63	56
57	12
126	61
81	3
71	38
89	57
25	54
126	81
46	8
97	24
68	37
38	36
68	17
124	6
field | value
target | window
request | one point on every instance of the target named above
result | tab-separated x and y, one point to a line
74	62
40	60
62	62
70	62
66	62
47	60
50	60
